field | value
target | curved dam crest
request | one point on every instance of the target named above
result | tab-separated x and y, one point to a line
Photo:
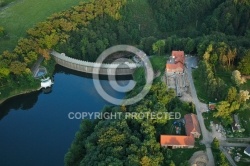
93	67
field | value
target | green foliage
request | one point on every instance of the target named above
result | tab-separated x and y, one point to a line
84	31
215	144
223	160
231	94
4	3
147	43
132	141
237	79
172	163
244	66
26	14
205	16
158	63
1	31
210	86
139	77
158	47
17	67
225	110
78	149
185	163
243	96
53	32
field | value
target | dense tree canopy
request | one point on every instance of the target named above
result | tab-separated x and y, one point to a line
218	31
129	141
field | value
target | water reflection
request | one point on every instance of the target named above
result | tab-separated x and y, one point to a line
27	101
60	69
37	127
21	102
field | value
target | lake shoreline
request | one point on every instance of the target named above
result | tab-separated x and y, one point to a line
19	94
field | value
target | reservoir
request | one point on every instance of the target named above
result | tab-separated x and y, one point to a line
35	128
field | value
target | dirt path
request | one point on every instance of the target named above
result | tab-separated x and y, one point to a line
199	158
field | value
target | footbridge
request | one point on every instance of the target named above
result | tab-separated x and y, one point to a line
93	67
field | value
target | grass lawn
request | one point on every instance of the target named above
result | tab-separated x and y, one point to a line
158	63
139	75
225	76
21	15
199	86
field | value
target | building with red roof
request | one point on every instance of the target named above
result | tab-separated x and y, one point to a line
192	125
176	62
177	141
183	141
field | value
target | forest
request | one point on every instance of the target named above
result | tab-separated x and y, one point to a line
84	31
216	31
128	141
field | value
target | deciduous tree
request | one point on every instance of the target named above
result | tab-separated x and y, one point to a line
158	47
237	79
243	96
244	66
17	67
231	94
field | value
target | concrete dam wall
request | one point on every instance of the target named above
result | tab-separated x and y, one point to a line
92	67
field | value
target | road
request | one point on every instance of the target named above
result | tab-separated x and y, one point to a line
238	139
228	156
207	138
223	143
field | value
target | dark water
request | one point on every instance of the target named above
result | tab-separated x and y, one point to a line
35	129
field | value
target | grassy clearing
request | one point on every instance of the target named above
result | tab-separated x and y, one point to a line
139	75
199	86
225	76
158	62
22	15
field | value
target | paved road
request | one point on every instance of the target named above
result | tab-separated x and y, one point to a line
228	156
238	139
223	143
207	138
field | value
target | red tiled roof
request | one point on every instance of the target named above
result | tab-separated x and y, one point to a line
179	61
174	66
179	56
171	140
177	53
191	124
